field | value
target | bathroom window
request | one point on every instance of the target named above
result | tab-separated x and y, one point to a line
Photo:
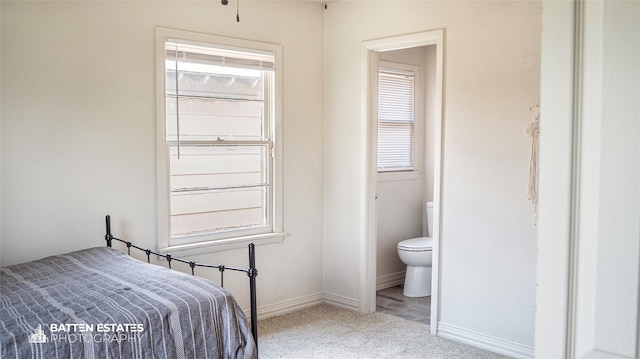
396	106
218	157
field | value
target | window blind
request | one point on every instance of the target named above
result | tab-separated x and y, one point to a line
219	56
396	93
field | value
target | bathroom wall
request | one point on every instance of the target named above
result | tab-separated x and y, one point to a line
401	196
491	79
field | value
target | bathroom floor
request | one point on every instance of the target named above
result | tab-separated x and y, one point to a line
391	301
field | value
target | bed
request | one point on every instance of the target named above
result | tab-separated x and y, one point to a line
102	303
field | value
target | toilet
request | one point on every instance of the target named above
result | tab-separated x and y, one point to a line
416	254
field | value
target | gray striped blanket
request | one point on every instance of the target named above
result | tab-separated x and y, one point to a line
100	303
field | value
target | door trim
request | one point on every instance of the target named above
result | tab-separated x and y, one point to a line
581	295
369	61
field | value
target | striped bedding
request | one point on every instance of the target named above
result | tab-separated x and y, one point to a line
100	303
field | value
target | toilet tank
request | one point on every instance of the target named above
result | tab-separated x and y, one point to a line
429	219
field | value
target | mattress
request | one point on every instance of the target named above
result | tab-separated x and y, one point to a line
101	303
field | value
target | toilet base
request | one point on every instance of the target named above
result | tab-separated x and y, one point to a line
417	282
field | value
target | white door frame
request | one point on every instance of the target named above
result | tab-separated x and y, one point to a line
589	224
555	199
370	50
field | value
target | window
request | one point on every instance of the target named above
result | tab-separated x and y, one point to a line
396	98
218	156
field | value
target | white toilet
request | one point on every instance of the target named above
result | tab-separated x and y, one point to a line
416	254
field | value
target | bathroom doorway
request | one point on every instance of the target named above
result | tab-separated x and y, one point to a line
405	170
396	198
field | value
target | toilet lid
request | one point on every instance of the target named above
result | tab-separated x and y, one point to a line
416	244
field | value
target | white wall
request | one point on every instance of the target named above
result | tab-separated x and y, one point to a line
78	139
78	128
491	80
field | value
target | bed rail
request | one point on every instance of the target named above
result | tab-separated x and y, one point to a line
252	271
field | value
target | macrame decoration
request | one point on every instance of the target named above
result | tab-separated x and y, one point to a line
533	130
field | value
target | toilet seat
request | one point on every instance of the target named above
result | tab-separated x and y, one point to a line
420	244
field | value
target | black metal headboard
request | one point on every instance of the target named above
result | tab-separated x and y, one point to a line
252	272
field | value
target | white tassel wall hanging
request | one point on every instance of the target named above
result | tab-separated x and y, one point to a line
533	130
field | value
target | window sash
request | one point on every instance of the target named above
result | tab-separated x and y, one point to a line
395	146
227	142
215	119
218	211
216	167
396	114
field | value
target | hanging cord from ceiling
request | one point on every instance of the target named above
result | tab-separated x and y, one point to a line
226	2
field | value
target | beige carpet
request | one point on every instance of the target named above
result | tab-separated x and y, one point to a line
325	331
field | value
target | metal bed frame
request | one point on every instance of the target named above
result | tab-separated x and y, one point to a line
252	272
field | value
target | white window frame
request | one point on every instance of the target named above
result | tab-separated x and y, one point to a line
215	241
393	173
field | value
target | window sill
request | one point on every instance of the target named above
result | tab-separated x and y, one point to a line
223	244
398	176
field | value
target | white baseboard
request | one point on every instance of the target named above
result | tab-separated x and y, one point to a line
484	341
389	280
289	305
341	301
